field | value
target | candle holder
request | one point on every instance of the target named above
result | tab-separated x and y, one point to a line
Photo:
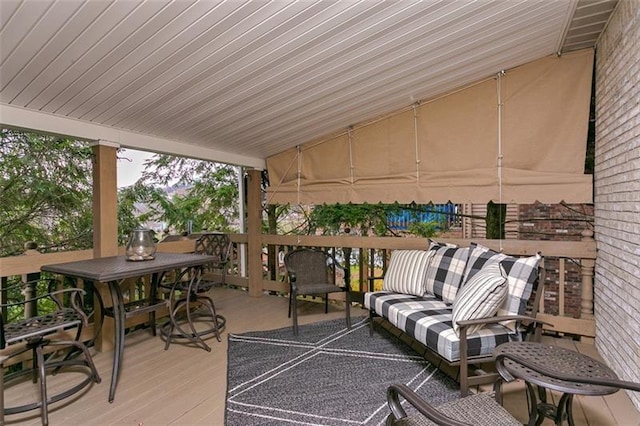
140	246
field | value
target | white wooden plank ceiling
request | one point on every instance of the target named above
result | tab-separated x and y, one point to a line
253	78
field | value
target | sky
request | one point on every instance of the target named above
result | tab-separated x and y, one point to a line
130	171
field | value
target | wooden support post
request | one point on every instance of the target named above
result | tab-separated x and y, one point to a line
105	200
105	226
254	232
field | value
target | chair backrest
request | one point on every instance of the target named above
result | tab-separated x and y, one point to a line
214	244
63	311
309	266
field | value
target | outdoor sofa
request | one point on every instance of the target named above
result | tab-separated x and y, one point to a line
460	303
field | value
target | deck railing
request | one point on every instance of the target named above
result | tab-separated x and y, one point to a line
570	267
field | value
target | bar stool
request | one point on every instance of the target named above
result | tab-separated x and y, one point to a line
190	301
38	334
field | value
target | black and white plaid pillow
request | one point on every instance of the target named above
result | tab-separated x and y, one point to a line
445	271
522	273
480	256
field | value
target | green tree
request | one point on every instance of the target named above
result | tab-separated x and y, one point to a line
129	217
45	187
205	193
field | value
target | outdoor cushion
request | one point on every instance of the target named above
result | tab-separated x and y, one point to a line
480	297
479	256
445	271
406	272
522	273
389	304
428	320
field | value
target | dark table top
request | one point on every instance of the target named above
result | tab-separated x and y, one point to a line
116	268
557	359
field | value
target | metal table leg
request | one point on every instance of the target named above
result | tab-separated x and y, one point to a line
118	319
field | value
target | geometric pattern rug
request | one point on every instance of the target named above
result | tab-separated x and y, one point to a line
327	375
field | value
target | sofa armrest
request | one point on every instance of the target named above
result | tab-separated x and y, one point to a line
497	319
372	280
464	347
533	322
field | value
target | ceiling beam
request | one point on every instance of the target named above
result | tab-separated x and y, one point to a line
22	118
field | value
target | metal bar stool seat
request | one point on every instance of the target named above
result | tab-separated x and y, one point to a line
37	334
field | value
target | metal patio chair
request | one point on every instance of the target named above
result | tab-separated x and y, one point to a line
479	409
40	334
311	273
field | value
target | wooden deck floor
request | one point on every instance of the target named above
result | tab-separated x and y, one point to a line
186	386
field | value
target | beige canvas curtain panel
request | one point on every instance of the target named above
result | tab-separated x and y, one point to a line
517	138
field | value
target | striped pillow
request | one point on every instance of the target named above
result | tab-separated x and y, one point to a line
480	297
406	272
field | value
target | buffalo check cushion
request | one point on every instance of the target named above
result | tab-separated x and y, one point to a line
522	273
445	271
394	305
480	256
406	272
480	297
428	320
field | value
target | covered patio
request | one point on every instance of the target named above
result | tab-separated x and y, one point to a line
255	84
197	379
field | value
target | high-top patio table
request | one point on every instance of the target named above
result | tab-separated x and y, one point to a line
559	361
112	271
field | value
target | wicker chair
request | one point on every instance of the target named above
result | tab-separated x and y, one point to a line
311	273
38	333
478	409
190	301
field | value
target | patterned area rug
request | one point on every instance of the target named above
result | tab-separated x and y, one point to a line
327	375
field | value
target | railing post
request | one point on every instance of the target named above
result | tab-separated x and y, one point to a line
254	232
3	299
31	308
347	262
587	270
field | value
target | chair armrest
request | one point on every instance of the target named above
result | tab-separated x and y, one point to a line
292	281
75	292
426	409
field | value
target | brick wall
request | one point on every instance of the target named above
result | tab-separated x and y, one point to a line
617	193
557	222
